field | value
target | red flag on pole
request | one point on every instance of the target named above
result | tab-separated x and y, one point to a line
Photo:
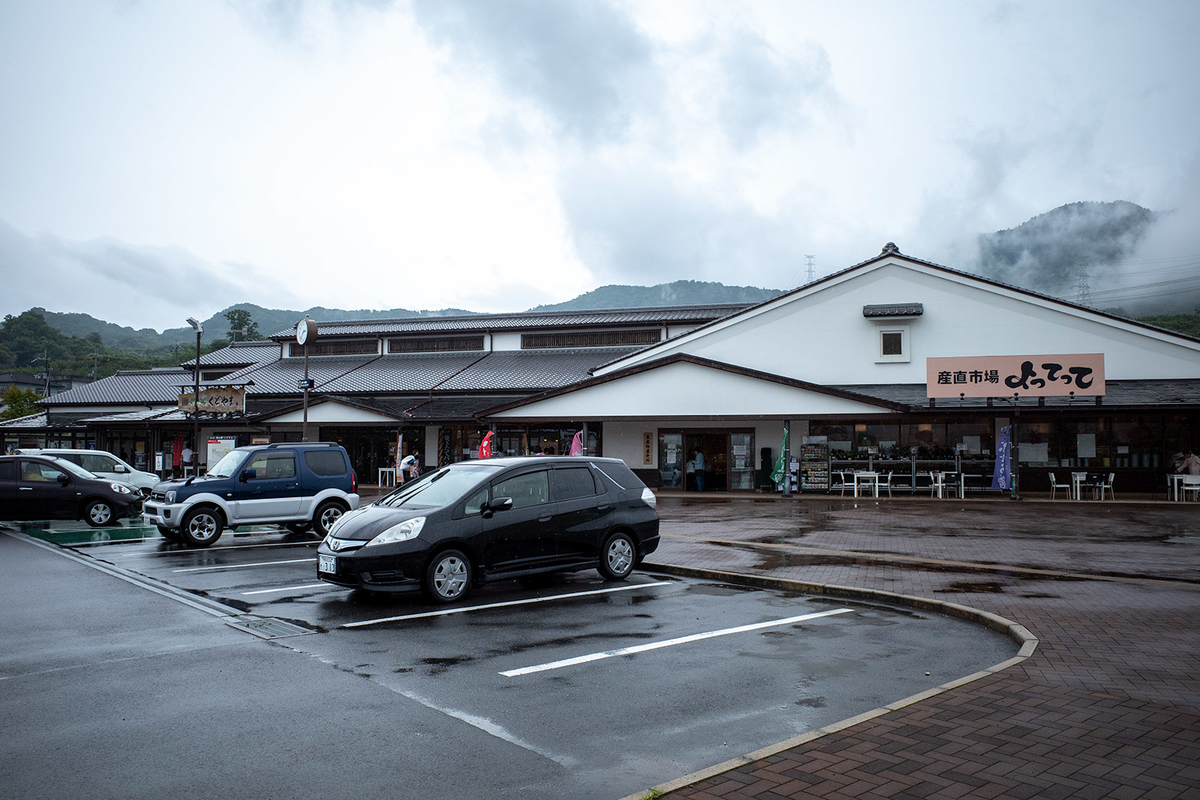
577	444
485	447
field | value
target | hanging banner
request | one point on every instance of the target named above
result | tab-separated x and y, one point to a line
1002	473
1081	375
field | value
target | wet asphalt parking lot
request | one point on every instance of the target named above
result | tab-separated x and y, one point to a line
568	686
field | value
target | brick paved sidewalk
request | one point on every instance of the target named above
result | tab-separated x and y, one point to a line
1108	705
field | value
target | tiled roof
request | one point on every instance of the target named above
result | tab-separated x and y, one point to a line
239	354
283	376
532	369
402	373
1119	394
894	310
535	320
155	386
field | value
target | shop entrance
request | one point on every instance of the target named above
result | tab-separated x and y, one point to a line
728	460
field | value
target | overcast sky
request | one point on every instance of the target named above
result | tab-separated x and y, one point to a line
167	158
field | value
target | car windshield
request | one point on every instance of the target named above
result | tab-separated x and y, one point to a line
439	488
73	468
228	466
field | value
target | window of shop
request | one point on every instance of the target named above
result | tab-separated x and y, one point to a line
1137	441
1037	443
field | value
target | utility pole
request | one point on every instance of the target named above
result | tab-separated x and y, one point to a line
810	267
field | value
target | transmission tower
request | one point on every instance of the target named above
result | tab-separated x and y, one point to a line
1083	289
810	266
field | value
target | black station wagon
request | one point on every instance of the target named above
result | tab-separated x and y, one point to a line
492	519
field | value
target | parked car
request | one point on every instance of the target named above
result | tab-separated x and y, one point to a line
37	487
103	464
299	485
477	521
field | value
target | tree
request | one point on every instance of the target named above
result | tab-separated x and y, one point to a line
241	323
18	402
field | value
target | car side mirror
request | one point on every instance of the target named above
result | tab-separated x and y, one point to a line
63	478
248	475
120	468
497	504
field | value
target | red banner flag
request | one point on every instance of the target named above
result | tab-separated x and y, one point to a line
485	447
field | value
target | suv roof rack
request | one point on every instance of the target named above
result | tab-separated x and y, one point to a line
304	444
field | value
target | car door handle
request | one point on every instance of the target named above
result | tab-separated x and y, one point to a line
545	517
26	488
602	506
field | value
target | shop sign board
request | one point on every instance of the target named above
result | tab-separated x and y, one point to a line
216	400
1081	375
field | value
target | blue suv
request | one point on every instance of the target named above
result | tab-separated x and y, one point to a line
294	484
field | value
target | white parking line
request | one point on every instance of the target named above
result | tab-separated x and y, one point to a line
291	589
448	611
217	549
244	566
641	648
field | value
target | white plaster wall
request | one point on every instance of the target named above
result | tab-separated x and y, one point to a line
690	390
823	337
330	413
505	341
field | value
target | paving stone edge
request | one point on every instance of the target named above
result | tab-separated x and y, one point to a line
1018	633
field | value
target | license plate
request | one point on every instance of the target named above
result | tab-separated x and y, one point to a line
327	564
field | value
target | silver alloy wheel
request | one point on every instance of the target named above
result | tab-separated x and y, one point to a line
329	515
100	513
450	577
619	555
202	526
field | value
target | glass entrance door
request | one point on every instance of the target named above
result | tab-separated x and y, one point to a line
670	460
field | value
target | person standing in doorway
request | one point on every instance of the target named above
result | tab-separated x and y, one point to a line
187	455
698	469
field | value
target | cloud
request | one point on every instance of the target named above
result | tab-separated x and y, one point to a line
582	63
643	225
766	89
119	282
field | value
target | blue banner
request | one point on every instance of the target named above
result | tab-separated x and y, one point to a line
1002	474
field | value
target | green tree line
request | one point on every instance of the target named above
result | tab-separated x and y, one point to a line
28	342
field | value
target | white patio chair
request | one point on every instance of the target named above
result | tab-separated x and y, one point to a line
1190	483
1055	486
885	483
1106	485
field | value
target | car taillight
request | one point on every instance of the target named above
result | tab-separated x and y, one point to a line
353	482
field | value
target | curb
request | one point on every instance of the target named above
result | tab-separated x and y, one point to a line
1016	632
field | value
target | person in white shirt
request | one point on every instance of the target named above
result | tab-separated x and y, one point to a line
1190	463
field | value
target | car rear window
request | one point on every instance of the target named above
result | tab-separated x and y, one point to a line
573	482
621	475
325	462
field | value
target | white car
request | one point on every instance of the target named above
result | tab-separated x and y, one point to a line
102	464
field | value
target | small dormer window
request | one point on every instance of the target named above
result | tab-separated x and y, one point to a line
893	344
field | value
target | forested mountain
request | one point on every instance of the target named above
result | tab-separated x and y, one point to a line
1045	254
679	293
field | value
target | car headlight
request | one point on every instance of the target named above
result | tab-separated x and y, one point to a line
121	488
400	533
170	496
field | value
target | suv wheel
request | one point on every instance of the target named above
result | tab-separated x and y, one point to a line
328	513
618	557
448	577
201	527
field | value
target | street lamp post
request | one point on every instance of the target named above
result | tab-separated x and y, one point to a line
199	329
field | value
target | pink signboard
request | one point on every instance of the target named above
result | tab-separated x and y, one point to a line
1005	376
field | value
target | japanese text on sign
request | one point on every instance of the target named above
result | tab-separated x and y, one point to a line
215	400
1081	375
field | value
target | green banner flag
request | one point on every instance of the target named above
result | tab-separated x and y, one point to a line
780	472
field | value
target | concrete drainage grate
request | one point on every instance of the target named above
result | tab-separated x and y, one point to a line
267	627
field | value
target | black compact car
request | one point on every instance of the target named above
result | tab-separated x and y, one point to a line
44	487
492	519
